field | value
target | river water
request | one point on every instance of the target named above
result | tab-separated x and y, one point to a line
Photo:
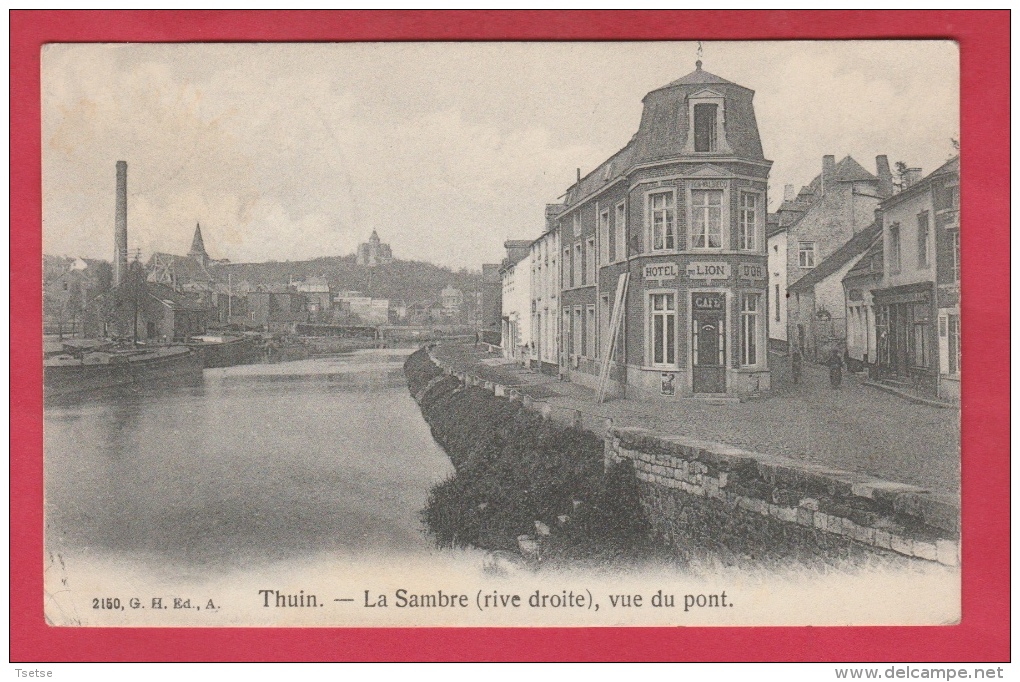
307	478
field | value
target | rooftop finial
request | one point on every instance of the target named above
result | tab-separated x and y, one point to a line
701	53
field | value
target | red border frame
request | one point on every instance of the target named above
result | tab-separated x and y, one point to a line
983	634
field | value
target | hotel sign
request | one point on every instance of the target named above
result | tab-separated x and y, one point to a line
752	271
708	271
660	271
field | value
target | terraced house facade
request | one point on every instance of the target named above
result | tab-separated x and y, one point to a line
681	211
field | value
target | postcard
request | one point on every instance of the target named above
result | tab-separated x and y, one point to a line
501	334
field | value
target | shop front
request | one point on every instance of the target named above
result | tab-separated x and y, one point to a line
907	345
704	328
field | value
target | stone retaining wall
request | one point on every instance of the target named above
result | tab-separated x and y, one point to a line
676	473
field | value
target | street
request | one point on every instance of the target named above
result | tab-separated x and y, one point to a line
855	428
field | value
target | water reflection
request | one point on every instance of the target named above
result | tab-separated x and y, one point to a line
263	462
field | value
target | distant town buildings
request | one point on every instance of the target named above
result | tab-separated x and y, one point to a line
374	252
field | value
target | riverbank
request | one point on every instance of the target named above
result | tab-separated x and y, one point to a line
518	474
523	466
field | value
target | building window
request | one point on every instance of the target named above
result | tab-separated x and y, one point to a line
662	217
589	263
922	239
777	303
746	239
565	334
578	332
806	254
621	232
605	315
705	134
749	309
894	248
955	265
706	218
566	269
663	328
577	223
589	332
604	237
954	344
577	278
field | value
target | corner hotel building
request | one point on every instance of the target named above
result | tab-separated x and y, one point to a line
682	209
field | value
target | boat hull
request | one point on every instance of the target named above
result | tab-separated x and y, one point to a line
68	379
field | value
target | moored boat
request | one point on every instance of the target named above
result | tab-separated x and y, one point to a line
66	374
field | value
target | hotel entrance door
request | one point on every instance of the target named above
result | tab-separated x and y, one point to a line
708	343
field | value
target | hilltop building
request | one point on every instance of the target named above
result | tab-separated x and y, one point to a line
681	210
374	252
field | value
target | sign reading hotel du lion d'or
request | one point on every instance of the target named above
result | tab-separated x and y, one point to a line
708	271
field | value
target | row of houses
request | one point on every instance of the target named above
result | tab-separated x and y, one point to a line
887	294
663	270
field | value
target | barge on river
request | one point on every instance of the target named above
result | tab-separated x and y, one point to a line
105	367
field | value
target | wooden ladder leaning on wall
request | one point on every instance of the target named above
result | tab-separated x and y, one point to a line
615	322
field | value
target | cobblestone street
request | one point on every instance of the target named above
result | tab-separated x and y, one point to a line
854	428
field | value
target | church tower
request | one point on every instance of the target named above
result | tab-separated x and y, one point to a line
198	247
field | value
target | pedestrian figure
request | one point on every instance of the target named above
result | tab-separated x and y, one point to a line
795	362
835	367
477	334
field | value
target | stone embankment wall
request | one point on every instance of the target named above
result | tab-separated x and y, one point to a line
702	494
685	482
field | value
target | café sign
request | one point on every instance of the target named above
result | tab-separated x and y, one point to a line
708	271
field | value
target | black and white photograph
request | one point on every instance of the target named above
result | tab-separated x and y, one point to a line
455	334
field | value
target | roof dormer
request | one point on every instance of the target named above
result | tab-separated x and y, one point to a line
706	123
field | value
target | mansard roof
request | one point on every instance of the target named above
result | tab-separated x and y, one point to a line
664	127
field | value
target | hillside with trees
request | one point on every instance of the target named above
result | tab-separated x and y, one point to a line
402	280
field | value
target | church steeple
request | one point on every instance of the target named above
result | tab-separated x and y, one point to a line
198	246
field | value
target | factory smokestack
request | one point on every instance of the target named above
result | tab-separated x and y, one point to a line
120	227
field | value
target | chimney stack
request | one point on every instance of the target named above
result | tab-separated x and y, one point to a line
578	175
910	177
788	194
120	227
828	170
885	185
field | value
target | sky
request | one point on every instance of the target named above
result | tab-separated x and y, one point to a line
295	151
